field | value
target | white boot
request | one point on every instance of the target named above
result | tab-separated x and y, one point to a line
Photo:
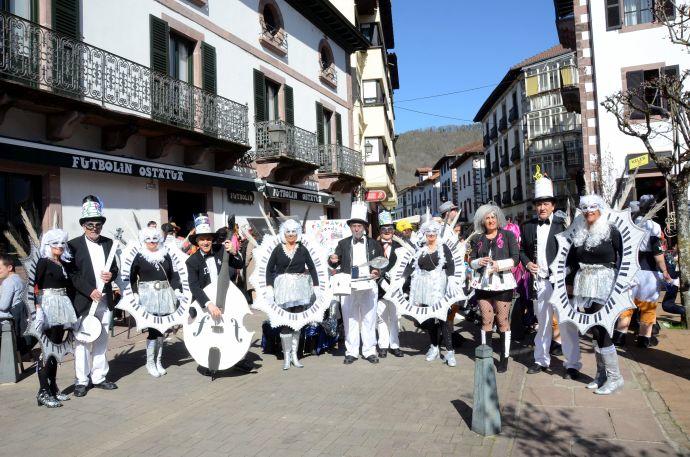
286	342
159	354
151	358
614	379
600	377
450	358
295	344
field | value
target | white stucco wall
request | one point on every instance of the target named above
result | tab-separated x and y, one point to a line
614	51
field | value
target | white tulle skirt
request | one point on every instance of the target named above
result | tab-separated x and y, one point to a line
157	297
292	289
427	287
593	283
57	308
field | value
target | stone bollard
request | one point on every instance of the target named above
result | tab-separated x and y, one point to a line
8	353
486	415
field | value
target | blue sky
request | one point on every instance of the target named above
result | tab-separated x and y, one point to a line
451	45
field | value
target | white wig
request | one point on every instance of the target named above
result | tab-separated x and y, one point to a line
150	234
485	210
594	200
290	225
430	227
55	236
599	232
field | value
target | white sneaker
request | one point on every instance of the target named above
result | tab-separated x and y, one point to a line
432	354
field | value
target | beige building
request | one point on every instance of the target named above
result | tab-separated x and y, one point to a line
374	78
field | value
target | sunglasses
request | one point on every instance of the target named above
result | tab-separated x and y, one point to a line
151	240
387	230
94	225
58	244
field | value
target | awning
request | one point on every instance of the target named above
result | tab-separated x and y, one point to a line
297	193
80	159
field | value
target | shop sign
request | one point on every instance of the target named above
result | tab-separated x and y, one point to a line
637	162
294	194
239	196
375	196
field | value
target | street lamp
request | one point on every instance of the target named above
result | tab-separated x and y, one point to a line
368	149
277	134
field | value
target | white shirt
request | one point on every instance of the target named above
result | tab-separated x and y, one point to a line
212	269
97	260
651	229
359	259
542	236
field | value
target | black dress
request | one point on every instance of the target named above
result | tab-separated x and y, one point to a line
154	282
54	294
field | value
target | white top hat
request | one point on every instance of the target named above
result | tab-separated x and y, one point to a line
91	210
358	213
543	189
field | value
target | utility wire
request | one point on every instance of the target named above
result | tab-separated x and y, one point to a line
447	93
435	115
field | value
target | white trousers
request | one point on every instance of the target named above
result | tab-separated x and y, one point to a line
90	359
359	316
542	341
387	325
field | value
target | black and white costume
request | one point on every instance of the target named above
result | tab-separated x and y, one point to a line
90	359
54	310
494	285
292	275
539	246
154	283
595	258
430	272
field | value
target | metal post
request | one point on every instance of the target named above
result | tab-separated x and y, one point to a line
8	353
486	415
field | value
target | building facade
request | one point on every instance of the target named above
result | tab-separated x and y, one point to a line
619	45
171	107
525	124
374	78
471	186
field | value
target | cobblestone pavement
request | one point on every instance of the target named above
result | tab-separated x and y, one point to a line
399	407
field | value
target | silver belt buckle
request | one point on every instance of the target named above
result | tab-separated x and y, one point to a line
157	285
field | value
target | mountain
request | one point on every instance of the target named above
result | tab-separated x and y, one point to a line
423	147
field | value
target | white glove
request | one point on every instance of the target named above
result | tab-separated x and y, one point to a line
453	285
179	294
270	295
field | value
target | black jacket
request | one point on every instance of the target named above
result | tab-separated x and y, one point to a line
391	262
80	272
528	233
198	271
344	253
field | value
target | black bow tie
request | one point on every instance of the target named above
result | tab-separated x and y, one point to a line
545	221
387	243
360	240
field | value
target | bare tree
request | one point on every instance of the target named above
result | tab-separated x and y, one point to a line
659	112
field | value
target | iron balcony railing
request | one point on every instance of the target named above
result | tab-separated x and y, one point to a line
515	153
38	57
486	141
495	167
506	197
505	163
503	124
513	114
338	159
493	133
517	194
275	139
276	36
497	198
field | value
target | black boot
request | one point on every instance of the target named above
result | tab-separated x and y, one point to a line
618	338
43	398
504	351
646	342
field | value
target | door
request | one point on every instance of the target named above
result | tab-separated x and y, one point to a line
182	206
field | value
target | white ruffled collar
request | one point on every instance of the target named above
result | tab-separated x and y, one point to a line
154	257
591	236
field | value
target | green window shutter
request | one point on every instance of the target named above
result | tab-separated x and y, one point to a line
259	97
338	129
208	67
160	34
289	105
66	17
319	123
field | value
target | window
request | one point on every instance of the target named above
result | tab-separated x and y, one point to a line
327	116
22	8
637	12
273	36
272	100
372	91
643	96
327	64
180	58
